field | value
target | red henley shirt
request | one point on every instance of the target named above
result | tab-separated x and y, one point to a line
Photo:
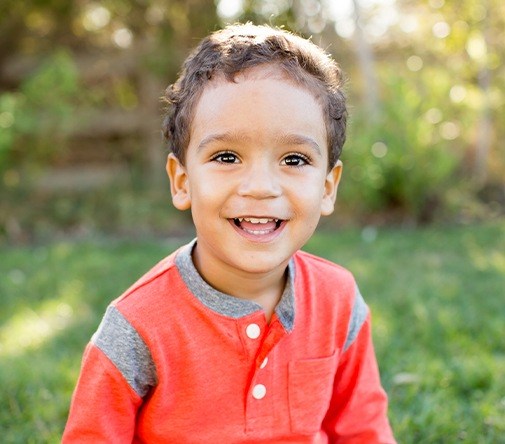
176	361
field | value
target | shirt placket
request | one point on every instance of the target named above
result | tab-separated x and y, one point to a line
260	338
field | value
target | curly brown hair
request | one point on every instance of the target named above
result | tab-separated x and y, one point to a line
241	46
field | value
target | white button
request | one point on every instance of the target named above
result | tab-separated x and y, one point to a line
264	363
259	391
253	331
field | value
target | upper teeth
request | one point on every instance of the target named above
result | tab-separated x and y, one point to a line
255	220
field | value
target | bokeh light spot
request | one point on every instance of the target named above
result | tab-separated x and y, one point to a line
379	149
457	93
441	30
433	116
450	130
415	63
122	37
96	18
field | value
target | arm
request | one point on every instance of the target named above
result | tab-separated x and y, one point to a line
358	410
117	372
103	406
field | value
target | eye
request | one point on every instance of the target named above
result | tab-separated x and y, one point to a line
225	157
296	160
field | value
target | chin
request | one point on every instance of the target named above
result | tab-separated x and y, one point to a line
258	265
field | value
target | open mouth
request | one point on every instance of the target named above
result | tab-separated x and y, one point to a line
257	225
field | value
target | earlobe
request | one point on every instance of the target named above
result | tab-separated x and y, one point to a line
179	186
330	189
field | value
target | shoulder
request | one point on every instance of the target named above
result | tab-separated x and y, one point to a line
152	285
323	271
330	291
126	332
323	283
147	302
118	339
151	278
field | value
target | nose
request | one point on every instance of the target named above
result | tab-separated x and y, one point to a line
260	181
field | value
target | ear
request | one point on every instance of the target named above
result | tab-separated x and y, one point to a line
330	189
179	184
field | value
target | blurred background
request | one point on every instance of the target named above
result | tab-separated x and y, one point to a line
80	145
85	206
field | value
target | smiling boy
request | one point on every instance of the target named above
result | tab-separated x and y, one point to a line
239	337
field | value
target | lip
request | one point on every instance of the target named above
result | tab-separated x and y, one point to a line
259	237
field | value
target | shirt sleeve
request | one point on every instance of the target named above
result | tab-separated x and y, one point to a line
358	410
117	372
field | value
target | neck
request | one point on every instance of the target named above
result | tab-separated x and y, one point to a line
263	288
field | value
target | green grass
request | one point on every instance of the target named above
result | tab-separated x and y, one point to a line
437	296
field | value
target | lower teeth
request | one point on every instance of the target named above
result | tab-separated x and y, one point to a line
259	232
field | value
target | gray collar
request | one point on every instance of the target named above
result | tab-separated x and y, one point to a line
228	305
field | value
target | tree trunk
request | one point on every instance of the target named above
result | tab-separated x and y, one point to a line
150	92
366	62
484	128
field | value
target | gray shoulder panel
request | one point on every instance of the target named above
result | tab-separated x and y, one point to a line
122	344
358	317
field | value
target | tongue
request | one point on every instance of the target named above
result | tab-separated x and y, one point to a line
269	226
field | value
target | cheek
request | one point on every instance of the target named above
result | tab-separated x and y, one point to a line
311	202
206	199
310	190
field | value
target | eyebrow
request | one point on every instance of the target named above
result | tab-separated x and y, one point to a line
299	139
283	139
230	137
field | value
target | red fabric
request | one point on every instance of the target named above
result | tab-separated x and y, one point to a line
207	368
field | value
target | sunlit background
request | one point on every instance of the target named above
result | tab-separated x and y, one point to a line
80	83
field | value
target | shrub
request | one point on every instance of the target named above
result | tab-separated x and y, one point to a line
405	160
36	120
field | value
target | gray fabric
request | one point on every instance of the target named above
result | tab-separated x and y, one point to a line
285	310
228	305
122	344
358	317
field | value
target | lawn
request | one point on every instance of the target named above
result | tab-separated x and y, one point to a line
437	296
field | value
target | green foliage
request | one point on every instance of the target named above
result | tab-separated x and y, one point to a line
401	160
37	119
115	210
435	295
433	153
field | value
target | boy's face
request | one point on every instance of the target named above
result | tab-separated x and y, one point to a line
256	172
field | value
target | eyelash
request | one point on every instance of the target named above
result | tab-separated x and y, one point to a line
218	157
298	156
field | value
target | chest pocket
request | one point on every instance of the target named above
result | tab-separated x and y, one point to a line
310	389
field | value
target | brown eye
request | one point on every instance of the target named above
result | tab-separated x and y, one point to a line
225	158
295	160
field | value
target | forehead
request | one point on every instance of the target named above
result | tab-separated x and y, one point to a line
265	71
259	78
292	75
263	105
250	85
